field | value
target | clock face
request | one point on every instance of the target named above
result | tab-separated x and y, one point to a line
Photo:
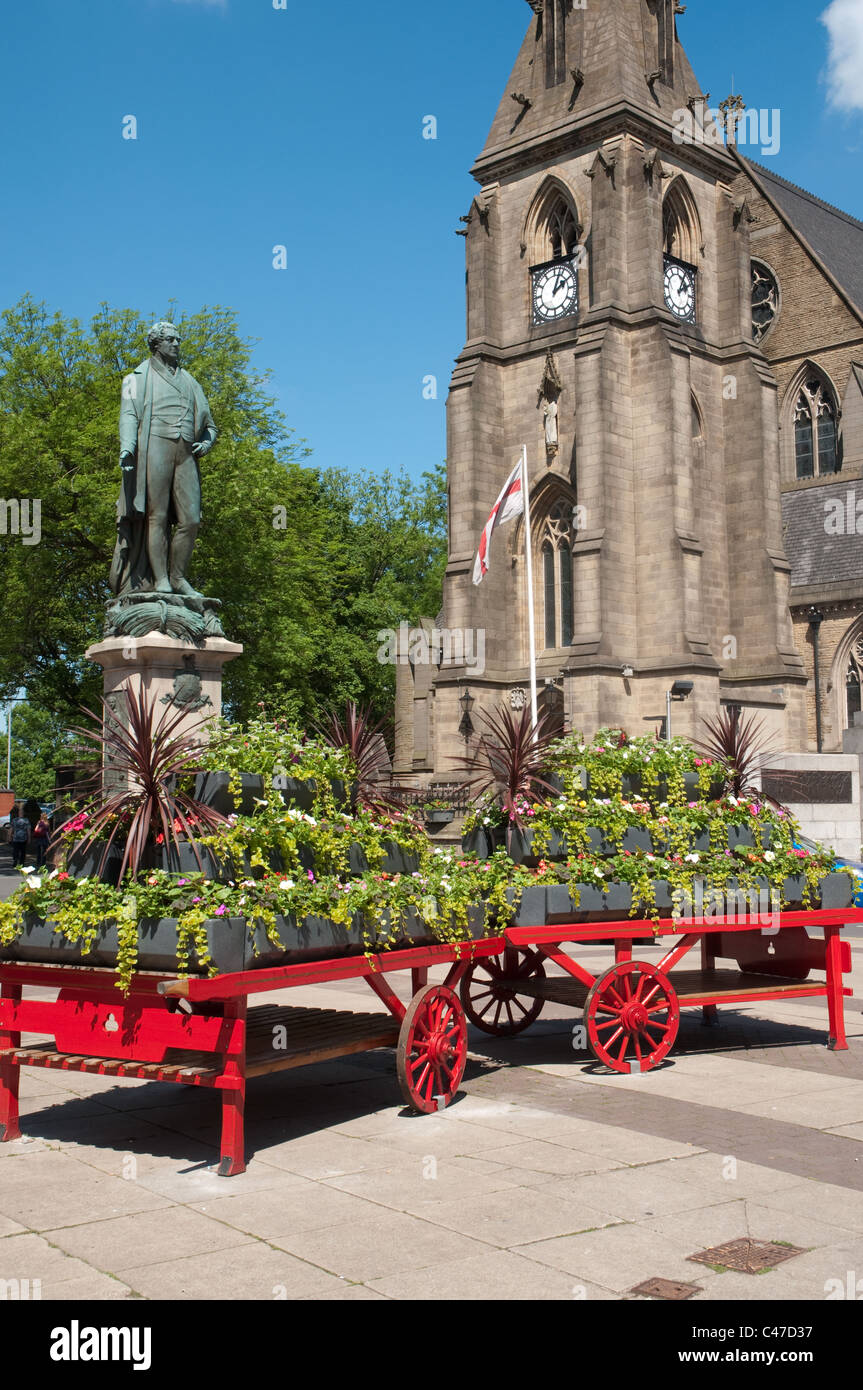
680	290
555	292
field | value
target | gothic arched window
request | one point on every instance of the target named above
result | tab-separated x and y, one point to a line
557	579
680	234
816	440
555	227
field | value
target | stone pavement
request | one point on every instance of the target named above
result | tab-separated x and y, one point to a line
549	1178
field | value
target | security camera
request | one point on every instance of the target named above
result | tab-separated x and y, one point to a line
627	672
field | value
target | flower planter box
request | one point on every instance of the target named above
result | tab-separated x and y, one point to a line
230	944
438	817
211	789
85	863
396	860
595	902
483	841
522	848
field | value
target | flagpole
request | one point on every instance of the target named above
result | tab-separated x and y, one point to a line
531	617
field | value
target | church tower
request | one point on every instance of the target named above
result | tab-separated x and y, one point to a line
609	328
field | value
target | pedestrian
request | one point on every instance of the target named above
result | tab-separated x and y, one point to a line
41	837
20	837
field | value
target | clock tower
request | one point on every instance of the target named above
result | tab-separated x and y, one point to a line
610	330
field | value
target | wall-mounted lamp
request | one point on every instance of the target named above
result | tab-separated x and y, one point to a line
681	690
467	703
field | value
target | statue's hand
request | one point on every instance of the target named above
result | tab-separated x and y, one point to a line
127	462
199	450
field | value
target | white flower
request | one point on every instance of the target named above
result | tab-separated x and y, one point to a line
34	881
732	801
692	858
769	855
487	820
651	857
27	871
287	883
599	873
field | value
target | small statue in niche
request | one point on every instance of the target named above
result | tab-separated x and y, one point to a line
552	438
550	389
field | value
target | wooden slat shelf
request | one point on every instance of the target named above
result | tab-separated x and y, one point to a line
311	1035
692	987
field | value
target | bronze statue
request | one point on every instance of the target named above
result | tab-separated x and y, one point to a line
165	428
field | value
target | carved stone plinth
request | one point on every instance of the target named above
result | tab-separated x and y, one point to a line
170	672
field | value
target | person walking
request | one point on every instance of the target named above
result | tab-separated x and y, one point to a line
41	837
20	837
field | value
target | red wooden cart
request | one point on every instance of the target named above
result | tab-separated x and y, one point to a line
201	1032
632	1008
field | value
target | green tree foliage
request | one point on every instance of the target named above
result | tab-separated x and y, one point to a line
309	564
40	743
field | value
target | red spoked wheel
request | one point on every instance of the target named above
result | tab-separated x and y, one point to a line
432	1049
632	1016
488	992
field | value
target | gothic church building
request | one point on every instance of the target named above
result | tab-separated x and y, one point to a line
676	334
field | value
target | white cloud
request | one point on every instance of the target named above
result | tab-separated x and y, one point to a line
844	22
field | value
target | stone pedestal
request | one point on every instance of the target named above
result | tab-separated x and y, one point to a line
172	673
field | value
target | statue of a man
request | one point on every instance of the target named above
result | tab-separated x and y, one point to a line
165	428
551	433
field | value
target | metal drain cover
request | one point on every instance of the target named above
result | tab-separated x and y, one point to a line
748	1256
666	1288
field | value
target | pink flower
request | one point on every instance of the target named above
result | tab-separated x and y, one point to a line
311	876
221	910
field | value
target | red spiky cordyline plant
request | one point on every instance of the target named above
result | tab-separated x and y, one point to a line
737	742
149	756
509	760
363	739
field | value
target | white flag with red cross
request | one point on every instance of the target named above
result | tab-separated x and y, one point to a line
508	506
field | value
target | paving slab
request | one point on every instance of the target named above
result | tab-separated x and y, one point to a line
91	1288
631	1194
618	1258
330	1155
426	1180
547	1156
348	1293
31	1256
514	1217
719	1177
835	1206
196	1183
129	1241
714	1225
253	1272
277	1212
814	1109
45	1190
387	1243
496	1275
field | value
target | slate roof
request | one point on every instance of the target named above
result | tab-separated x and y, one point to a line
832	234
815	556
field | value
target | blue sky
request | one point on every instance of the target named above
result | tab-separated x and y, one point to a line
303	127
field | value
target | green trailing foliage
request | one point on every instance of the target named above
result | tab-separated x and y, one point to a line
330	861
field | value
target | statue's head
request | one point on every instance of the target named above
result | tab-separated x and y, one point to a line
164	337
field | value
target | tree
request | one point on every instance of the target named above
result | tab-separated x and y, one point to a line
309	564
40	743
